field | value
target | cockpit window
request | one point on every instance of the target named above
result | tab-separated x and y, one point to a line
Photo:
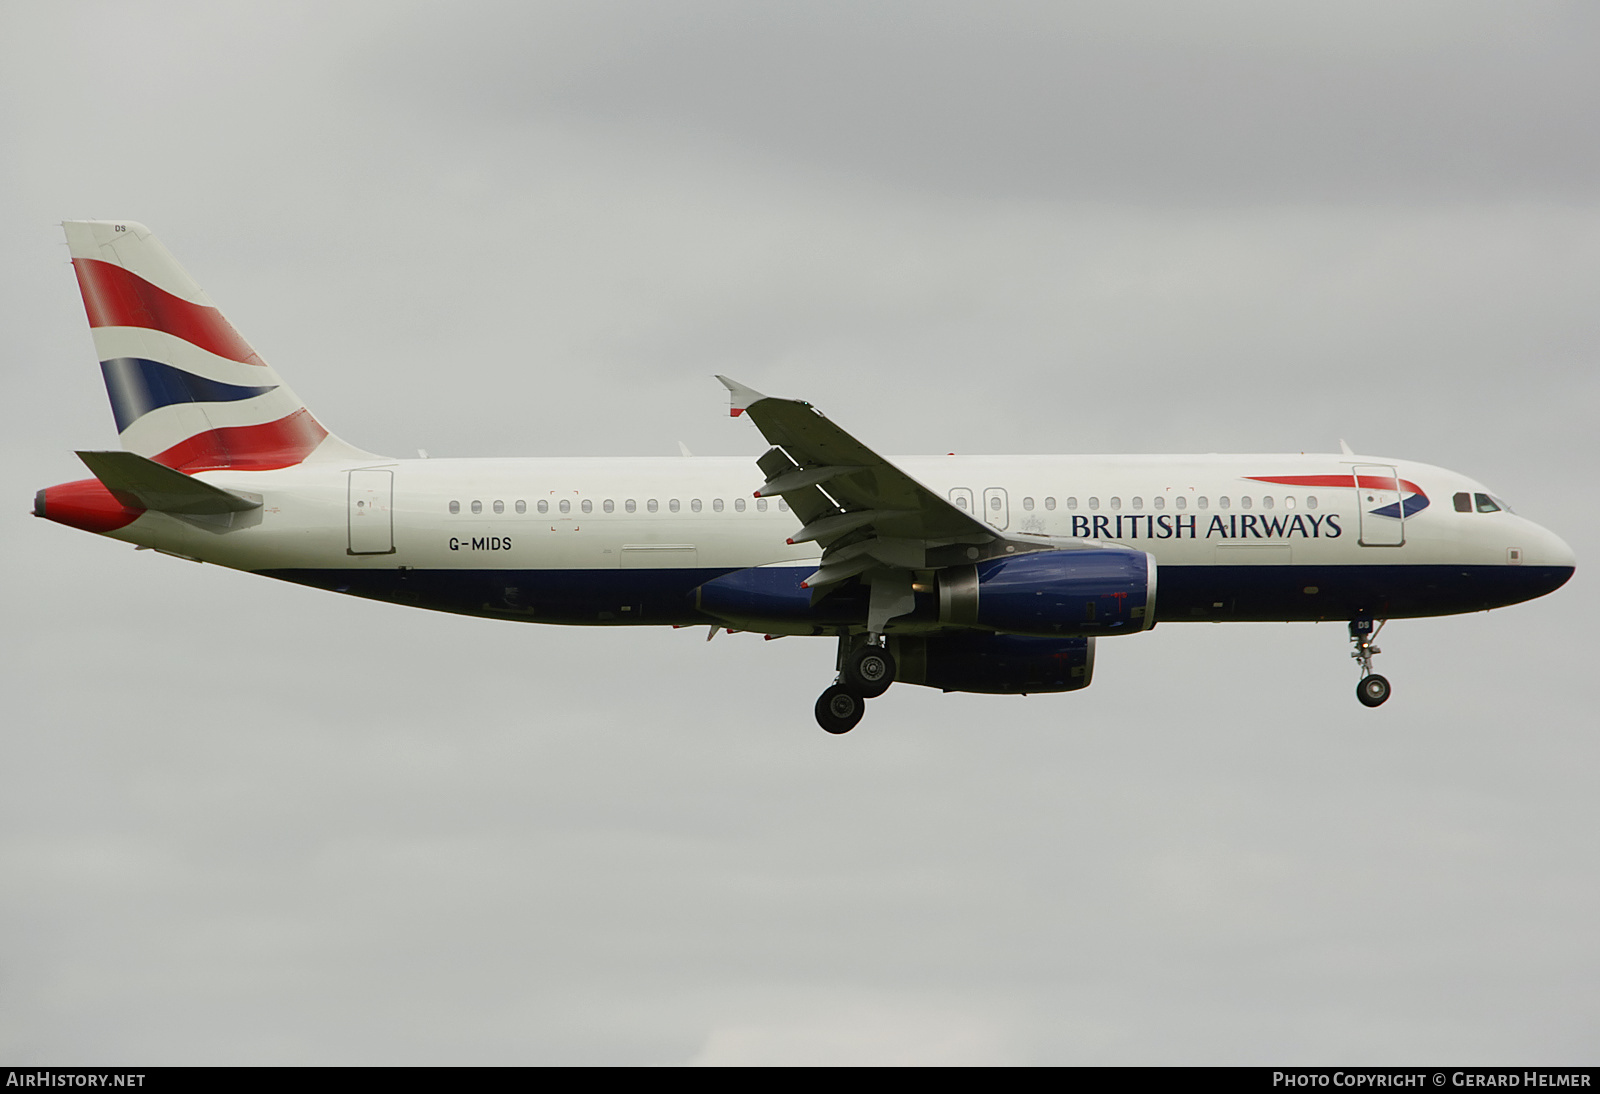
1485	503
1463	502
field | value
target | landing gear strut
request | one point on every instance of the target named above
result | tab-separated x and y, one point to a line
1373	690
866	669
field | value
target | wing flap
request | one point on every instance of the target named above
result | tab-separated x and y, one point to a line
869	516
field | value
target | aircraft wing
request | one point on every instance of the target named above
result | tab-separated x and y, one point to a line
870	517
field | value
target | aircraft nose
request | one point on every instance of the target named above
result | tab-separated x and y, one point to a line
1547	561
1551	550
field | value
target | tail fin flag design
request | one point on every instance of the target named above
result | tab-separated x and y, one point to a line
186	390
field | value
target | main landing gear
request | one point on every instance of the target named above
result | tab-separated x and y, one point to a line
866	669
1373	690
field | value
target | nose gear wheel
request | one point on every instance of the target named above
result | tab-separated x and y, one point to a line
1372	690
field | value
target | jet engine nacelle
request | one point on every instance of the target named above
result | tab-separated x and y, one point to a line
1090	591
995	664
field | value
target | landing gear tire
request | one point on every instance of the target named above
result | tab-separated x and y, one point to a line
839	709
1373	691
869	671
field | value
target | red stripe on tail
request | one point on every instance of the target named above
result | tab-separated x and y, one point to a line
113	297
282	443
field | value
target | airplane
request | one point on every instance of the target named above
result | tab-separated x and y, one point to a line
979	574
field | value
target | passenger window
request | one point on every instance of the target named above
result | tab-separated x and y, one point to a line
1311	501
738	505
1200	501
761	505
1288	503
1266	502
455	506
1072	503
1222	502
673	505
1116	503
1485	504
961	501
994	503
499	506
544	506
522	506
783	506
1049	503
631	506
694	505
477	506
652	505
1158	502
1094	503
1179	502
1138	503
1244	503
1463	502
566	506
716	505
609	506
586	505
1027	503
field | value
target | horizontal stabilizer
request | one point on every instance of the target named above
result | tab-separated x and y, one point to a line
143	483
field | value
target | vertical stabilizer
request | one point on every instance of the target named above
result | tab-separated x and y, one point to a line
186	390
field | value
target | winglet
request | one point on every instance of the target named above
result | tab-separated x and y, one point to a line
1344	449
740	398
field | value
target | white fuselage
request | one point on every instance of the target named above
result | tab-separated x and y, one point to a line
596	514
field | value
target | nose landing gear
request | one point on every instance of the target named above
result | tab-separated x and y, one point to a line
866	669
1373	690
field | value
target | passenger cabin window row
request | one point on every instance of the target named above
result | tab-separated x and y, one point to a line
586	505
1158	502
1464	503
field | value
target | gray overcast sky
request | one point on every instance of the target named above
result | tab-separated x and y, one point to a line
243	822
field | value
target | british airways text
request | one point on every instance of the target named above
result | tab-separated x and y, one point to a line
1234	526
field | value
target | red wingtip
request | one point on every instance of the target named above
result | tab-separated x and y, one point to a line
734	412
804	585
790	542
